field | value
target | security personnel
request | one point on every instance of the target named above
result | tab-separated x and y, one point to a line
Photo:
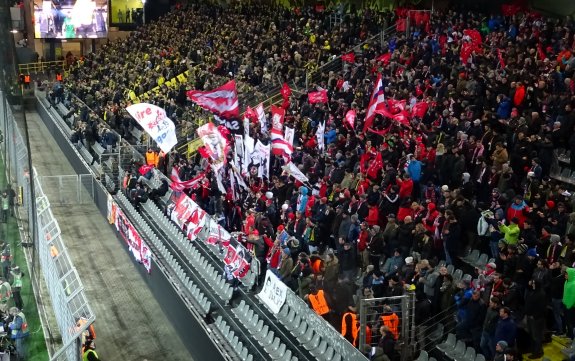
318	302
90	352
152	157
317	265
390	319
27	80
349	325
59	77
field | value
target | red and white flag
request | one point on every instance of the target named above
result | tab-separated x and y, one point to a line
349	57
419	109
179	185
279	144
350	118
222	101
317	97
384	58
261	114
377	101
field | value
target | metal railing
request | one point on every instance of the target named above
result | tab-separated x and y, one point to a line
400	308
71	189
40	67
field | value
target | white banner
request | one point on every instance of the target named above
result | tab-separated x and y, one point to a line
320	136
156	123
289	134
274	292
294	171
262	118
261	156
215	144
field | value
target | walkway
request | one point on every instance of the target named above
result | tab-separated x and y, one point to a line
130	324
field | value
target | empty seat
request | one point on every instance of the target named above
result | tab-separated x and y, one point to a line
467	277
479	357
457	275
481	261
279	353
429	285
458	351
313	343
320	350
274	346
469	355
423	356
472	257
328	355
448	344
450	269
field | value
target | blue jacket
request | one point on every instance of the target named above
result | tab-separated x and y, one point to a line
330	136
414	170
302	200
504	109
506	330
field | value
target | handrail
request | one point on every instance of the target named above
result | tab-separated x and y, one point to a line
40	66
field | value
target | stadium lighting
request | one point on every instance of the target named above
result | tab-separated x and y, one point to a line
143	12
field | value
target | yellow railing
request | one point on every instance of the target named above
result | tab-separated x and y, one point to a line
41	66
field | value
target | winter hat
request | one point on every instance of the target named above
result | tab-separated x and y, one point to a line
445	188
285	206
550	204
269	195
532	252
502	344
408	260
491	265
555	238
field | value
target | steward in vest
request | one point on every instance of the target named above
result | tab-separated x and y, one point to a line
318	301
58	77
317	265
390	319
18	331
17	286
350	325
27	80
89	353
152	157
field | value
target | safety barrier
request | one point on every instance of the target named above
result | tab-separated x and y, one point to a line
40	67
401	312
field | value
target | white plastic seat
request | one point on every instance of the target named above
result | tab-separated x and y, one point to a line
449	343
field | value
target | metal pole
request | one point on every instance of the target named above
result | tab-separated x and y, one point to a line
362	321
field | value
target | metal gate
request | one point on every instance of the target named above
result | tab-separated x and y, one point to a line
71	189
371	310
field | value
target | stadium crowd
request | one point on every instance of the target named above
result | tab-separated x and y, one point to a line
386	208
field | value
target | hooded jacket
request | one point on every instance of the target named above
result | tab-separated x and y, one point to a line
569	289
302	200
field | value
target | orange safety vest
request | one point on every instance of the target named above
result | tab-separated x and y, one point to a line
316	266
367	336
152	158
392	322
318	303
59	77
26	78
354	325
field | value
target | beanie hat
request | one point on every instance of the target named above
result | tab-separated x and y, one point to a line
550	204
502	344
532	252
554	238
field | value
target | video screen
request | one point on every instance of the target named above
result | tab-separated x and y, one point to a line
70	19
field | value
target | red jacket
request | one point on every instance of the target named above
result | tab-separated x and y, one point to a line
405	187
372	216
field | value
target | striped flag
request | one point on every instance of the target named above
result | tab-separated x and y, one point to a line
377	101
279	144
222	101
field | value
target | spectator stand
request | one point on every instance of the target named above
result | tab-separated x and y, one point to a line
316	73
370	314
561	169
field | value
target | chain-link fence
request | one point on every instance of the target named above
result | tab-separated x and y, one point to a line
70	309
396	314
71	189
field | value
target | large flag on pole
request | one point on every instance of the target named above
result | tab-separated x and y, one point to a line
294	171
317	97
377	101
222	101
156	123
279	144
214	143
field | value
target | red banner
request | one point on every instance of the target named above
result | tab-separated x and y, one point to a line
317	97
131	236
348	58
